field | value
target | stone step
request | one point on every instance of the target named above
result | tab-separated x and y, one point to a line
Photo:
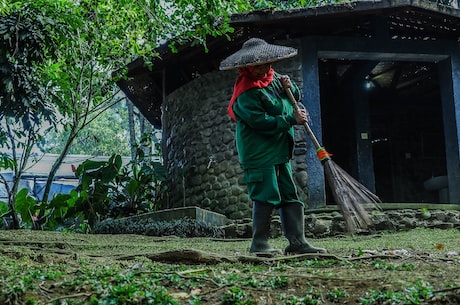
191	212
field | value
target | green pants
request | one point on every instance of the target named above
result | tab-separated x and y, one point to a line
273	184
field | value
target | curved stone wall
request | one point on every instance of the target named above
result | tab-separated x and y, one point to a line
199	147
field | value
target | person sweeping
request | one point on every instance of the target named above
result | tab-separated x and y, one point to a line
264	120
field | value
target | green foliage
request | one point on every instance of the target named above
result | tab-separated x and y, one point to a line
66	45
96	180
25	205
6	162
311	297
139	186
181	228
336	295
291	4
107	189
60	208
106	285
111	189
235	296
67	41
98	138
277	282
308	299
3	209
412	295
28	36
384	265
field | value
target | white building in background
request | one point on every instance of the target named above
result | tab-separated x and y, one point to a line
35	176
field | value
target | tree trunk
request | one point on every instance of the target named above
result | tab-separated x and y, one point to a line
53	171
132	129
18	170
147	129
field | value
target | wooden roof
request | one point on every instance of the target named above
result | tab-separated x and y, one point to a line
404	19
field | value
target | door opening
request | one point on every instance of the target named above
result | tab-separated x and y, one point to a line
399	107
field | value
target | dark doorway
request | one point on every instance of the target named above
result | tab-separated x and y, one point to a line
398	105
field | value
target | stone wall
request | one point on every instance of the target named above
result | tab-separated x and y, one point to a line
318	224
331	223
199	147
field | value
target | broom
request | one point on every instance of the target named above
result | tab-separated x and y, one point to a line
348	193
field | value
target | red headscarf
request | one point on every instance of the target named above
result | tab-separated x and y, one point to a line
246	81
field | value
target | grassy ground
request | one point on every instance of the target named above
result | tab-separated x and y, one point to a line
415	267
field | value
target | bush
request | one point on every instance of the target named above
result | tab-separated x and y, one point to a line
184	227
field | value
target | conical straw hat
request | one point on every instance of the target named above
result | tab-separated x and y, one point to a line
256	51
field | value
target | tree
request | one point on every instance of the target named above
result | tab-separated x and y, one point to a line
24	106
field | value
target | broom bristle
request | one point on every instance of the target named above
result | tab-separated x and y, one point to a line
349	194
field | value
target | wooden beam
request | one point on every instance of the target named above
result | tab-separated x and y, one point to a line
381	49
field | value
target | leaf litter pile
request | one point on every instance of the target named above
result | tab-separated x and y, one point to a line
420	266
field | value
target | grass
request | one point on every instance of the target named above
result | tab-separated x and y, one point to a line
414	267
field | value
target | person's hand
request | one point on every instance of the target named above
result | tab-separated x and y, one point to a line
285	81
301	116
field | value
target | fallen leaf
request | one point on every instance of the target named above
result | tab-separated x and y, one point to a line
400	252
452	253
179	295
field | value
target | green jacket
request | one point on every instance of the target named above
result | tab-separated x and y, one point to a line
264	128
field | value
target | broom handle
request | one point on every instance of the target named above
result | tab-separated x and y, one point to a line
307	127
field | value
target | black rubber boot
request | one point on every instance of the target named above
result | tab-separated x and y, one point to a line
261	219
292	221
